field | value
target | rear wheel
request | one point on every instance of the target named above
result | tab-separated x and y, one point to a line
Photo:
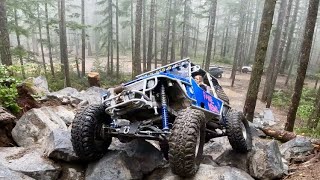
85	133
238	131
221	94
186	142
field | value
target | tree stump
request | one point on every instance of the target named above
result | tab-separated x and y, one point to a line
94	79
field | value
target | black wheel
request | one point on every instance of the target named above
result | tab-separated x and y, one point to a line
245	70
238	131
85	133
221	94
186	142
219	75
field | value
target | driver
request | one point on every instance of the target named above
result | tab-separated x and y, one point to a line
199	81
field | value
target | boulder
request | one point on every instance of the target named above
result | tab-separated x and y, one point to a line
206	172
266	162
6	173
295	148
72	171
35	125
58	146
36	86
92	95
216	146
73	97
235	159
65	96
255	131
7	123
265	119
29	162
126	161
66	115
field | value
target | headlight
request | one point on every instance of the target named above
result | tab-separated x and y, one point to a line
150	83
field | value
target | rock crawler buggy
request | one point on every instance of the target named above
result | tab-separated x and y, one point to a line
166	105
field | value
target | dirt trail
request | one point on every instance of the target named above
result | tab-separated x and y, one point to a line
237	94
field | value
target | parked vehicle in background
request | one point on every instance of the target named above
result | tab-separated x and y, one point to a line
246	69
216	71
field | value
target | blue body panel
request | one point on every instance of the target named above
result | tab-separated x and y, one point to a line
199	97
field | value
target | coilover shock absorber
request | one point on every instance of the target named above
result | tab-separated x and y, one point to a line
164	108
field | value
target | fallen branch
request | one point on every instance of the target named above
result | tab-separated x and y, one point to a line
285	136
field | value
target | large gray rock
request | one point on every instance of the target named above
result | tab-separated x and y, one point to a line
36	86
265	119
6	173
29	162
131	161
35	125
216	146
297	147
7	122
267	162
235	159
72	171
66	115
73	97
92	95
206	172
58	146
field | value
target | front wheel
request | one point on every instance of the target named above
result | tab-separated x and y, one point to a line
186	142
238	131
85	133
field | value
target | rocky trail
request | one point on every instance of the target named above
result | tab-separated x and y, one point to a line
37	146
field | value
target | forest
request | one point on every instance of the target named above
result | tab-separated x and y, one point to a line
64	40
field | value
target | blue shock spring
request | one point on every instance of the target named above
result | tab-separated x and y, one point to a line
164	109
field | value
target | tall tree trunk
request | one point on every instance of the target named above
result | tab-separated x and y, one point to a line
197	40
117	36
226	39
165	43
63	43
110	9
144	34
304	60
151	30
60	29
173	38
185	30
206	42
213	11
76	40
279	55
49	39
132	32
275	48
254	31
83	41
137	57
260	56
5	54
89	47
41	42
237	53
284	64
19	43
155	36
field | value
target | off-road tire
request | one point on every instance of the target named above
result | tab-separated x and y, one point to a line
235	134
188	132
221	94
85	136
